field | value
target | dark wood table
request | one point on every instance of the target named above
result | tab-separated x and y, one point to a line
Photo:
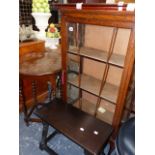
85	130
35	66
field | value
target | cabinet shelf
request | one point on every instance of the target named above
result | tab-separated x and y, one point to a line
76	104
94	54
71	100
87	106
99	55
73	49
106	111
72	58
90	84
74	80
106	116
110	92
117	59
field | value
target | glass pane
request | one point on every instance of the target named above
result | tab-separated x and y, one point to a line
73	68
72	37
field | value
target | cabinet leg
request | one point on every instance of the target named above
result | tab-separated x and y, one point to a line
87	152
44	136
43	143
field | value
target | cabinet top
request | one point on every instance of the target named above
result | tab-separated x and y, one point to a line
95	6
104	17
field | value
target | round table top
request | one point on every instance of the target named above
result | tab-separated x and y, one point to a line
39	64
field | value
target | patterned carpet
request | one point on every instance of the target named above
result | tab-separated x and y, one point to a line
29	138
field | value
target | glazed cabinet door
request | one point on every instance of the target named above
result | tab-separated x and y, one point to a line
98	60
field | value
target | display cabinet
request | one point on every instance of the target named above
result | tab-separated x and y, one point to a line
97	60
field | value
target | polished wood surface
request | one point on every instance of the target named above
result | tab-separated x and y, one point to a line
39	64
70	121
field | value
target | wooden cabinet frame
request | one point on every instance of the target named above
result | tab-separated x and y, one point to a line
102	17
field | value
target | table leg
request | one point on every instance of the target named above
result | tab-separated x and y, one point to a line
49	91
34	94
28	113
35	103
58	86
21	93
43	143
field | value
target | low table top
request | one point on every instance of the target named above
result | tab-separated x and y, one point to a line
84	129
41	63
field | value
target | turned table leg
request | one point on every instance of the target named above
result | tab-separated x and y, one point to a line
28	113
24	107
49	91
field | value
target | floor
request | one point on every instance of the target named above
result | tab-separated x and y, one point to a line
29	138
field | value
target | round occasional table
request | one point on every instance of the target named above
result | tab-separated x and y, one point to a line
36	66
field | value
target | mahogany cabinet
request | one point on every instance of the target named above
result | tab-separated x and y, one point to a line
97	59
